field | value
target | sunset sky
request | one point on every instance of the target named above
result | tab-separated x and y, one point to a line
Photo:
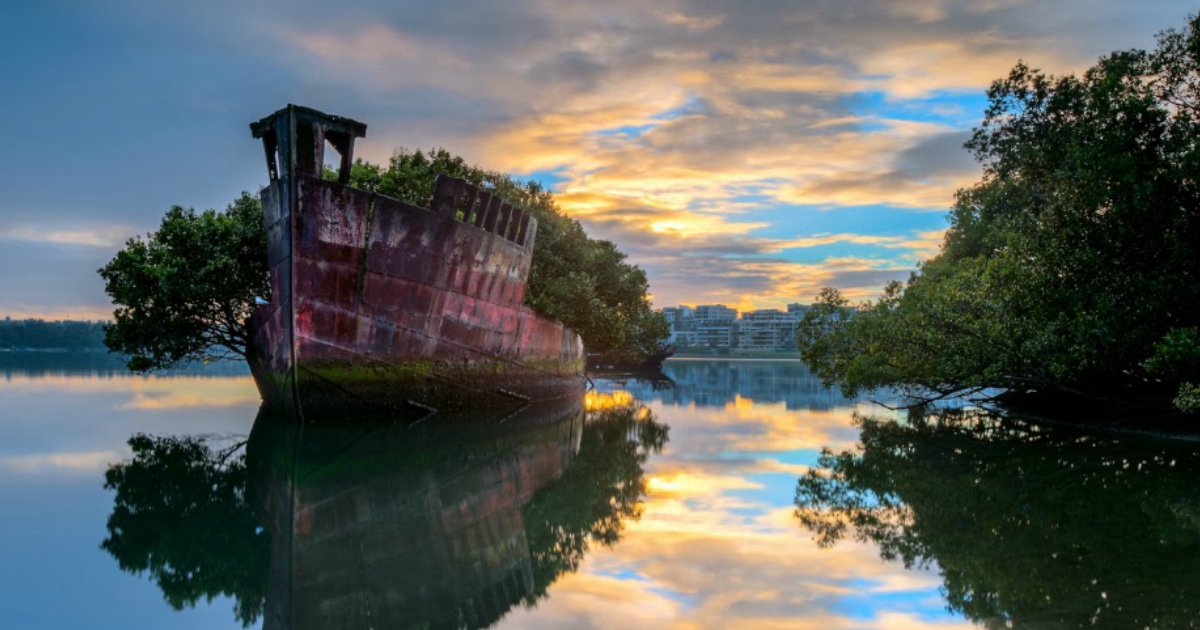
741	152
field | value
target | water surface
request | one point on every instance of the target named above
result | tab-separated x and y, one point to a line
731	493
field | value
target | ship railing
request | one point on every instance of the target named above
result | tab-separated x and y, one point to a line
484	209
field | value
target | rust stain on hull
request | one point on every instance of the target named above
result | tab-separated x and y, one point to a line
384	302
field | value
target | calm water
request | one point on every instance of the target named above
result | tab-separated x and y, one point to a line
736	493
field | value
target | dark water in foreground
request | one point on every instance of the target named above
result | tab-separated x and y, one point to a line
739	493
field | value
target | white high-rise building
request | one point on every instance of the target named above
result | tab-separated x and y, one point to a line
714	325
766	330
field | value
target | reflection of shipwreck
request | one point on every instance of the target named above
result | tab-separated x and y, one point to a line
387	526
358	521
392	303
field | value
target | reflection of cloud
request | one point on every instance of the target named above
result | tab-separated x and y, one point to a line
175	393
679	484
595	400
746	426
590	600
210	397
703	570
146	392
776	466
718	546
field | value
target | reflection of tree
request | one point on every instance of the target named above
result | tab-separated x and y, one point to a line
602	488
181	514
1030	526
434	548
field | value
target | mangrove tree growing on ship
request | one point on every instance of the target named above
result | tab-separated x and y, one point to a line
583	282
186	291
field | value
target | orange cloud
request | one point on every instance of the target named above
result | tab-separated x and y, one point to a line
664	125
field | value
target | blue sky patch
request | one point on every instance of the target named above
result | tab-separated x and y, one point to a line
550	179
926	604
961	109
626	131
795	221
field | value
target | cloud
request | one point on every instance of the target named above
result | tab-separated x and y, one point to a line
660	125
87	462
866	277
53	280
374	44
105	236
676	121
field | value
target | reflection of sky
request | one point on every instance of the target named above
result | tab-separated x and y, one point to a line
717	545
57	434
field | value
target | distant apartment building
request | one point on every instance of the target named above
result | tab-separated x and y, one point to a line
716	326
679	315
766	330
715	313
798	310
682	320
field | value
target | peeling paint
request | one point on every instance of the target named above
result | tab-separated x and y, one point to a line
365	282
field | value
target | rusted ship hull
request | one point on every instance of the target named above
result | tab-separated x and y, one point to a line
382	302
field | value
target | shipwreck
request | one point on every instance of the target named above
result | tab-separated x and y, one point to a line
378	301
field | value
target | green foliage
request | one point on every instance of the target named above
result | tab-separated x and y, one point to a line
181	515
1028	526
583	282
186	291
58	335
1177	351
1188	398
1073	258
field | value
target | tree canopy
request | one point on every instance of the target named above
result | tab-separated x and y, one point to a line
1072	265
39	333
186	291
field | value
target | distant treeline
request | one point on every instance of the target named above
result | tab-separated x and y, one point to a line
38	334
